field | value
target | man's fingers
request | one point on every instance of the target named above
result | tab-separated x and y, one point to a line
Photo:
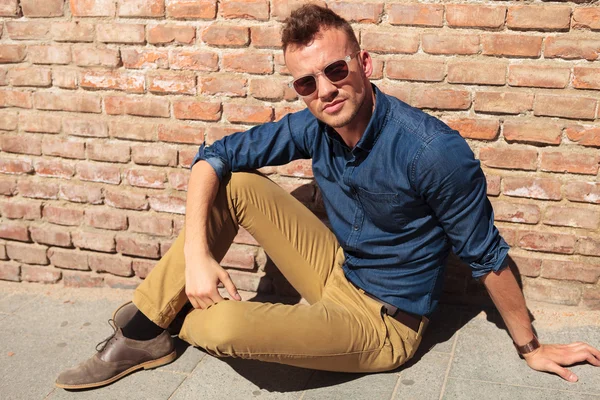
562	372
229	285
593	360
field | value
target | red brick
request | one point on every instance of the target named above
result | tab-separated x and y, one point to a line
576	163
223	85
21	143
76	31
81	193
178	224
416	14
39	189
8	185
145	58
73	279
109	151
534	188
121	33
246	9
146	178
358	12
115	80
402	92
93	56
179	179
136	246
532	131
180	133
425	70
301	190
195	60
40	274
266	36
238	113
503	102
49	54
15	98
94	240
244	237
93	8
482	73
493	184
46	123
165	245
240	257
121	283
282	111
9	8
12	53
153	155
47	8
28	30
140	106
14	231
143	267
226	36
186	157
15	209
62	215
80	102
252	63
570	271
509	235
441	99
565	106
105	219
591	298
571	216
538	76
85	127
53	236
192	9
15	166
450	43
571	48
298	168
511	45
195	110
10	271
99	172
30	76
27	253
547	242
215	133
8	120
586	78
70	259
171	33
151	224
174	83
471	128
586	17
588	246
281	9
271	89
526	266
475	16
585	192
63	147
390	42
552	292
169	203
66	79
110	263
141	8
126	199
544	18
136	130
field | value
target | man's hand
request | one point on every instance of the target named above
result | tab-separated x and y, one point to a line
552	358
202	276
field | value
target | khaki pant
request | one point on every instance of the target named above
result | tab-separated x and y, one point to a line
341	330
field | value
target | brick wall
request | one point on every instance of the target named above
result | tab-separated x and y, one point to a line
104	103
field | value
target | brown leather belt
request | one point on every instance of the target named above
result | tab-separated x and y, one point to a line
409	320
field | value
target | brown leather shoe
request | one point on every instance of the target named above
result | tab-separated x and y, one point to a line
118	357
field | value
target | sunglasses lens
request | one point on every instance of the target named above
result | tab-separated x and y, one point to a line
336	71
305	86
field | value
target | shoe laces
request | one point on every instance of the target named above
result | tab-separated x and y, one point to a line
102	345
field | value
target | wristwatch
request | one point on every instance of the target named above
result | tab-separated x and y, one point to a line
529	347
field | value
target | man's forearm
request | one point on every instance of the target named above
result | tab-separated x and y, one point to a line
508	298
202	190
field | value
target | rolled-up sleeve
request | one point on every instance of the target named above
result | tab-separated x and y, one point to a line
269	144
454	186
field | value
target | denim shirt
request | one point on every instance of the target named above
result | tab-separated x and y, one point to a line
408	193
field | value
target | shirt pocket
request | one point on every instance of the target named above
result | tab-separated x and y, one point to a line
383	209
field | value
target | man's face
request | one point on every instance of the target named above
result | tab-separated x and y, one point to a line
337	104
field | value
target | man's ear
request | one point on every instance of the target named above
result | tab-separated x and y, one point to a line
366	62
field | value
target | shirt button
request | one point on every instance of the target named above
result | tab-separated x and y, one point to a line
355	227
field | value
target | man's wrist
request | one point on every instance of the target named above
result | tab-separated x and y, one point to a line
529	347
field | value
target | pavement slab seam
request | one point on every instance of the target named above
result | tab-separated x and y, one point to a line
396	386
528	386
447	374
187	376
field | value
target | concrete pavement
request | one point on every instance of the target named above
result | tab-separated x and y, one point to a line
465	355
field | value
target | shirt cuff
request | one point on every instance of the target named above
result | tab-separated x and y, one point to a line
213	160
494	261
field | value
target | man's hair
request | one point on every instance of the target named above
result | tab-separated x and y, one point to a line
304	24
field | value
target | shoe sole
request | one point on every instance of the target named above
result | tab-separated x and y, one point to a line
147	365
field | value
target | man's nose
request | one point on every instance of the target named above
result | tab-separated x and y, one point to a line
325	89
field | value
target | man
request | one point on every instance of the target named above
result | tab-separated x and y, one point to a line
401	190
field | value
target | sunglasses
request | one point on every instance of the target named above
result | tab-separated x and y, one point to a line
334	72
